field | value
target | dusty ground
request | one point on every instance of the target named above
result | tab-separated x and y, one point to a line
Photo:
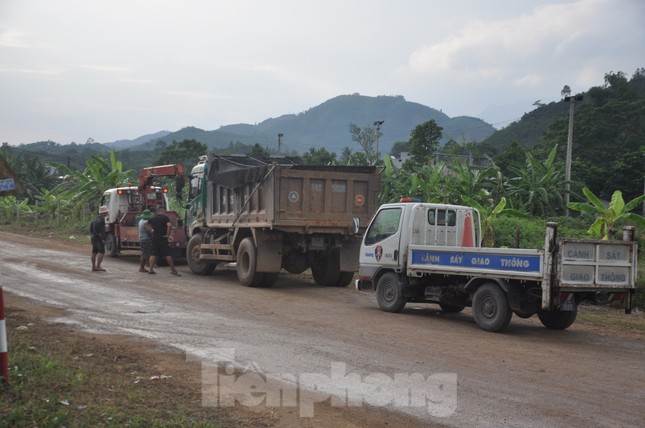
589	375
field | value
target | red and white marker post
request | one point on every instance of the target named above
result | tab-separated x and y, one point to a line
4	359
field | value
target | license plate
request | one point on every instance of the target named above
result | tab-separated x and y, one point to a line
568	305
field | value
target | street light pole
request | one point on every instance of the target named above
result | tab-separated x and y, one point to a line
567	192
378	124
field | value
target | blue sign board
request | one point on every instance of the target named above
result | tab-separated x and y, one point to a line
7	184
512	263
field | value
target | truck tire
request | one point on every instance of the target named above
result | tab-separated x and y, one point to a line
110	245
344	279
247	260
327	271
389	294
490	308
192	257
557	320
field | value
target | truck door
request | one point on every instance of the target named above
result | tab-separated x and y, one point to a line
381	243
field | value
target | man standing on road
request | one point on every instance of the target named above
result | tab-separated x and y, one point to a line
161	234
145	239
97	229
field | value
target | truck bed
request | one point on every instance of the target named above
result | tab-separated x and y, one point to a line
292	198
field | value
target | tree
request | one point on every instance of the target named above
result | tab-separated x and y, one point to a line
607	217
319	157
538	186
366	138
424	141
566	91
476	183
81	189
399	147
185	152
489	214
257	151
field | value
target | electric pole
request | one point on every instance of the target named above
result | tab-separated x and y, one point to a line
567	192
378	124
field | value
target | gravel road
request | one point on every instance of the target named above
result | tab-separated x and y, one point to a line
438	368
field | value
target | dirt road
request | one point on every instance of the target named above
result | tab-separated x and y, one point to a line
438	368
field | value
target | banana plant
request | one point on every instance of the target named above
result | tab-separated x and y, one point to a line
488	216
607	217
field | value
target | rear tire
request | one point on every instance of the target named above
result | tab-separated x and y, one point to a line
490	308
193	259
389	294
247	260
110	245
344	279
327	271
557	320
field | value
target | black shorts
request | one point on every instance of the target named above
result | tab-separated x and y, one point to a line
160	247
98	244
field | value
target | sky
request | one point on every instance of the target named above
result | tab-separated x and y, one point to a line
74	70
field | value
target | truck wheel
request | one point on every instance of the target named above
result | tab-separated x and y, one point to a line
557	320
388	293
327	271
110	245
344	279
490	308
246	264
192	257
451	309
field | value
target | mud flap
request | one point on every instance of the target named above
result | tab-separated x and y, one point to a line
269	250
349	253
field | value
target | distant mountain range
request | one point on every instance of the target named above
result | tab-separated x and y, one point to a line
327	125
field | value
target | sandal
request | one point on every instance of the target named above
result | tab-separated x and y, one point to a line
174	272
151	272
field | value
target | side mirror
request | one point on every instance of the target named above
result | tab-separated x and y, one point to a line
357	225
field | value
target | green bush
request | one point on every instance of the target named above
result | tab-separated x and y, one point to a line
531	231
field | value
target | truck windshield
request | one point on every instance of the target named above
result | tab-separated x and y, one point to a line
384	225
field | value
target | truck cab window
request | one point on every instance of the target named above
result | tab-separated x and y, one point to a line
442	217
384	225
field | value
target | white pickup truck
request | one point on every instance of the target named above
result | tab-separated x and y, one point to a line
431	253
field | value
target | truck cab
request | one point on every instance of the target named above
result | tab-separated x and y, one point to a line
410	222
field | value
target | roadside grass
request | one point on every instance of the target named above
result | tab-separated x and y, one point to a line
59	379
611	316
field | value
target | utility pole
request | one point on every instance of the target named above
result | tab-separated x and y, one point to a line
567	192
378	124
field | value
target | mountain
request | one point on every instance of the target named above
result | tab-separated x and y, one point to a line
124	144
529	130
327	125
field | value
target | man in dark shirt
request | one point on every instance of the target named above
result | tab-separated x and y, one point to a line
161	233
97	229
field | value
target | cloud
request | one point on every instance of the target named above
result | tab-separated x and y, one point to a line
13	39
502	48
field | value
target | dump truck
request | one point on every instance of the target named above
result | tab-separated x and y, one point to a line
431	253
264	215
126	204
